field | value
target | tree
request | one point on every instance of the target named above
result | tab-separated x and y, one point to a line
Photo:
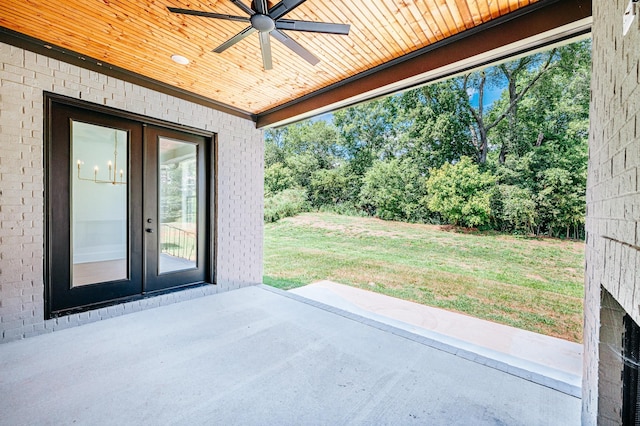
461	193
317	139
294	153
560	204
394	190
274	143
559	97
551	134
520	76
515	208
302	166
278	177
432	125
333	186
367	132
529	145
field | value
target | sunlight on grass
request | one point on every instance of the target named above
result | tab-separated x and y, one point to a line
534	284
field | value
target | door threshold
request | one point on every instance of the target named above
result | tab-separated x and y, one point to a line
121	300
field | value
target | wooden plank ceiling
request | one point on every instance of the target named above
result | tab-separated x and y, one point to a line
140	36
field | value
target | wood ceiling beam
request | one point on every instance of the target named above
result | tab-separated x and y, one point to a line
523	24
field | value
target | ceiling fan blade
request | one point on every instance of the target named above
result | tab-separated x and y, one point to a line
208	14
295	46
313	27
261	7
233	40
284	7
246	9
265	48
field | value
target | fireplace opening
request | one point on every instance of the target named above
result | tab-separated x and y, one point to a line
631	358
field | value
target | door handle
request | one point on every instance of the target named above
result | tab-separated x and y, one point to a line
149	230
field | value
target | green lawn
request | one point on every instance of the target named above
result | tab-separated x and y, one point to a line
534	284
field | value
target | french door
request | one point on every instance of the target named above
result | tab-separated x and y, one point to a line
174	208
127	208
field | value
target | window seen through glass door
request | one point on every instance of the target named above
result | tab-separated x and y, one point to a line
99	248
178	206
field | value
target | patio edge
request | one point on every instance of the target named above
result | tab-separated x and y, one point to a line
483	356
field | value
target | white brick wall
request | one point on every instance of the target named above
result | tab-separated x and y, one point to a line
613	201
23	78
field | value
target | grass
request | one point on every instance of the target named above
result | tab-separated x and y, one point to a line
530	283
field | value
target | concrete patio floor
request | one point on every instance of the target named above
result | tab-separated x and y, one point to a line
258	356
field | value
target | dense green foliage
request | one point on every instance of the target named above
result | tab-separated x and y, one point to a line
289	202
460	193
394	190
453	151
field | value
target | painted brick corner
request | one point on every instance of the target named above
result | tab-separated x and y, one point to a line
613	206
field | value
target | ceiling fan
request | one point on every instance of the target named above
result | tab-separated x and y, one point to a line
268	21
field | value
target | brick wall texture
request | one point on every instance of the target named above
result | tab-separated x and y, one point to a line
23	78
613	197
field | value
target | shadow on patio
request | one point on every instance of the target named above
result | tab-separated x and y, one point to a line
258	356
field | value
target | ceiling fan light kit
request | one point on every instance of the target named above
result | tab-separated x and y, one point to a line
267	22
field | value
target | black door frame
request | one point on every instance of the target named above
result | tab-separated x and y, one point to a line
56	183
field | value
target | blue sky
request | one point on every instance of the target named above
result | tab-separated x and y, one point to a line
328	116
491	94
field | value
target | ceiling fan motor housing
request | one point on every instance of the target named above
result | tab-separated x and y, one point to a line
262	23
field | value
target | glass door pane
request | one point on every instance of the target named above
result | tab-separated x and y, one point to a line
99	204
178	205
